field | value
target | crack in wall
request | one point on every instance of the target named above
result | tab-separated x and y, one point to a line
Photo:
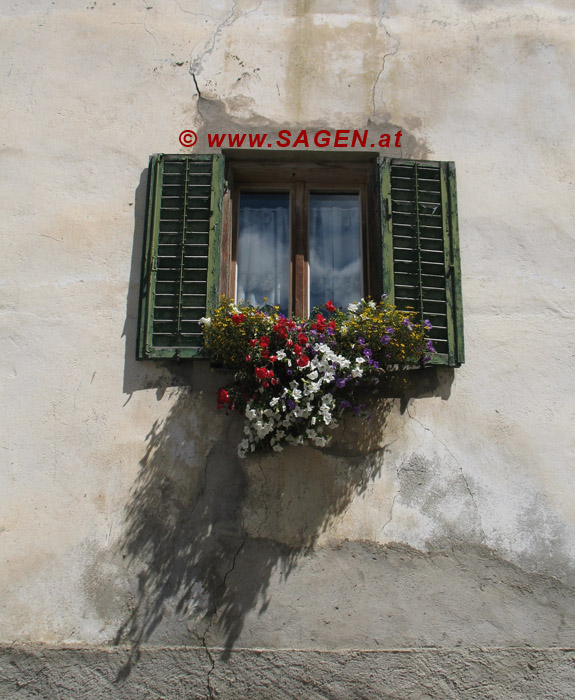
197	63
384	58
460	467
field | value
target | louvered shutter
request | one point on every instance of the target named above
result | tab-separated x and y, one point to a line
421	269
181	263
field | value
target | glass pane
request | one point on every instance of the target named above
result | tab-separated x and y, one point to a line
335	249
264	249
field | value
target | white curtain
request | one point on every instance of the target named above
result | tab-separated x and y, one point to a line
335	249
264	249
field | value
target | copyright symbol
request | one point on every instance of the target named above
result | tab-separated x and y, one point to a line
188	138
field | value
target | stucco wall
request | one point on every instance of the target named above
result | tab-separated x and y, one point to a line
126	516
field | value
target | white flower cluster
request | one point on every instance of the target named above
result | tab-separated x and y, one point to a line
301	412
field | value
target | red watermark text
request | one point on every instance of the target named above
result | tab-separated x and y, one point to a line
340	138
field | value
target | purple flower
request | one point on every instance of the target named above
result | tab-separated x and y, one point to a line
367	352
361	341
340	383
344	404
290	403
375	364
389	330
329	331
289	372
426	358
385	340
430	346
427	324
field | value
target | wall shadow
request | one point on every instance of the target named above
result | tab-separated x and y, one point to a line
184	529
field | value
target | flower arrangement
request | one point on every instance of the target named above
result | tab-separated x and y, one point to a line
296	377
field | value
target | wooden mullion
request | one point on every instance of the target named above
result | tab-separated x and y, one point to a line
299	252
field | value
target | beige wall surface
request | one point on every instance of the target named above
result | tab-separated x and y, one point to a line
125	513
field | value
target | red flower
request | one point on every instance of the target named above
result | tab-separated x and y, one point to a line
263	373
302	361
319	325
223	398
265	354
248	358
238	318
264	341
289	342
297	349
329	306
273	358
280	330
253	342
302	338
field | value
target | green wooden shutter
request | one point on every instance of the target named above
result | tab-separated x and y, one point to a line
181	261
421	268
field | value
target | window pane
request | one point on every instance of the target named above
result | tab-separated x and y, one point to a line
335	249
264	249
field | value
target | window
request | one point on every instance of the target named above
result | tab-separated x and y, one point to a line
301	232
297	234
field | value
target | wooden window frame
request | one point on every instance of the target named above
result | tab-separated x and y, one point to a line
301	178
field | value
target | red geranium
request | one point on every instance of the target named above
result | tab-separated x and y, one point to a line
329	306
302	338
223	398
319	324
238	318
264	341
297	349
280	329
302	361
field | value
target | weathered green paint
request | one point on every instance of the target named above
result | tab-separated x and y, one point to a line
184	346
456	265
447	256
214	255
386	230
418	244
147	279
412	266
